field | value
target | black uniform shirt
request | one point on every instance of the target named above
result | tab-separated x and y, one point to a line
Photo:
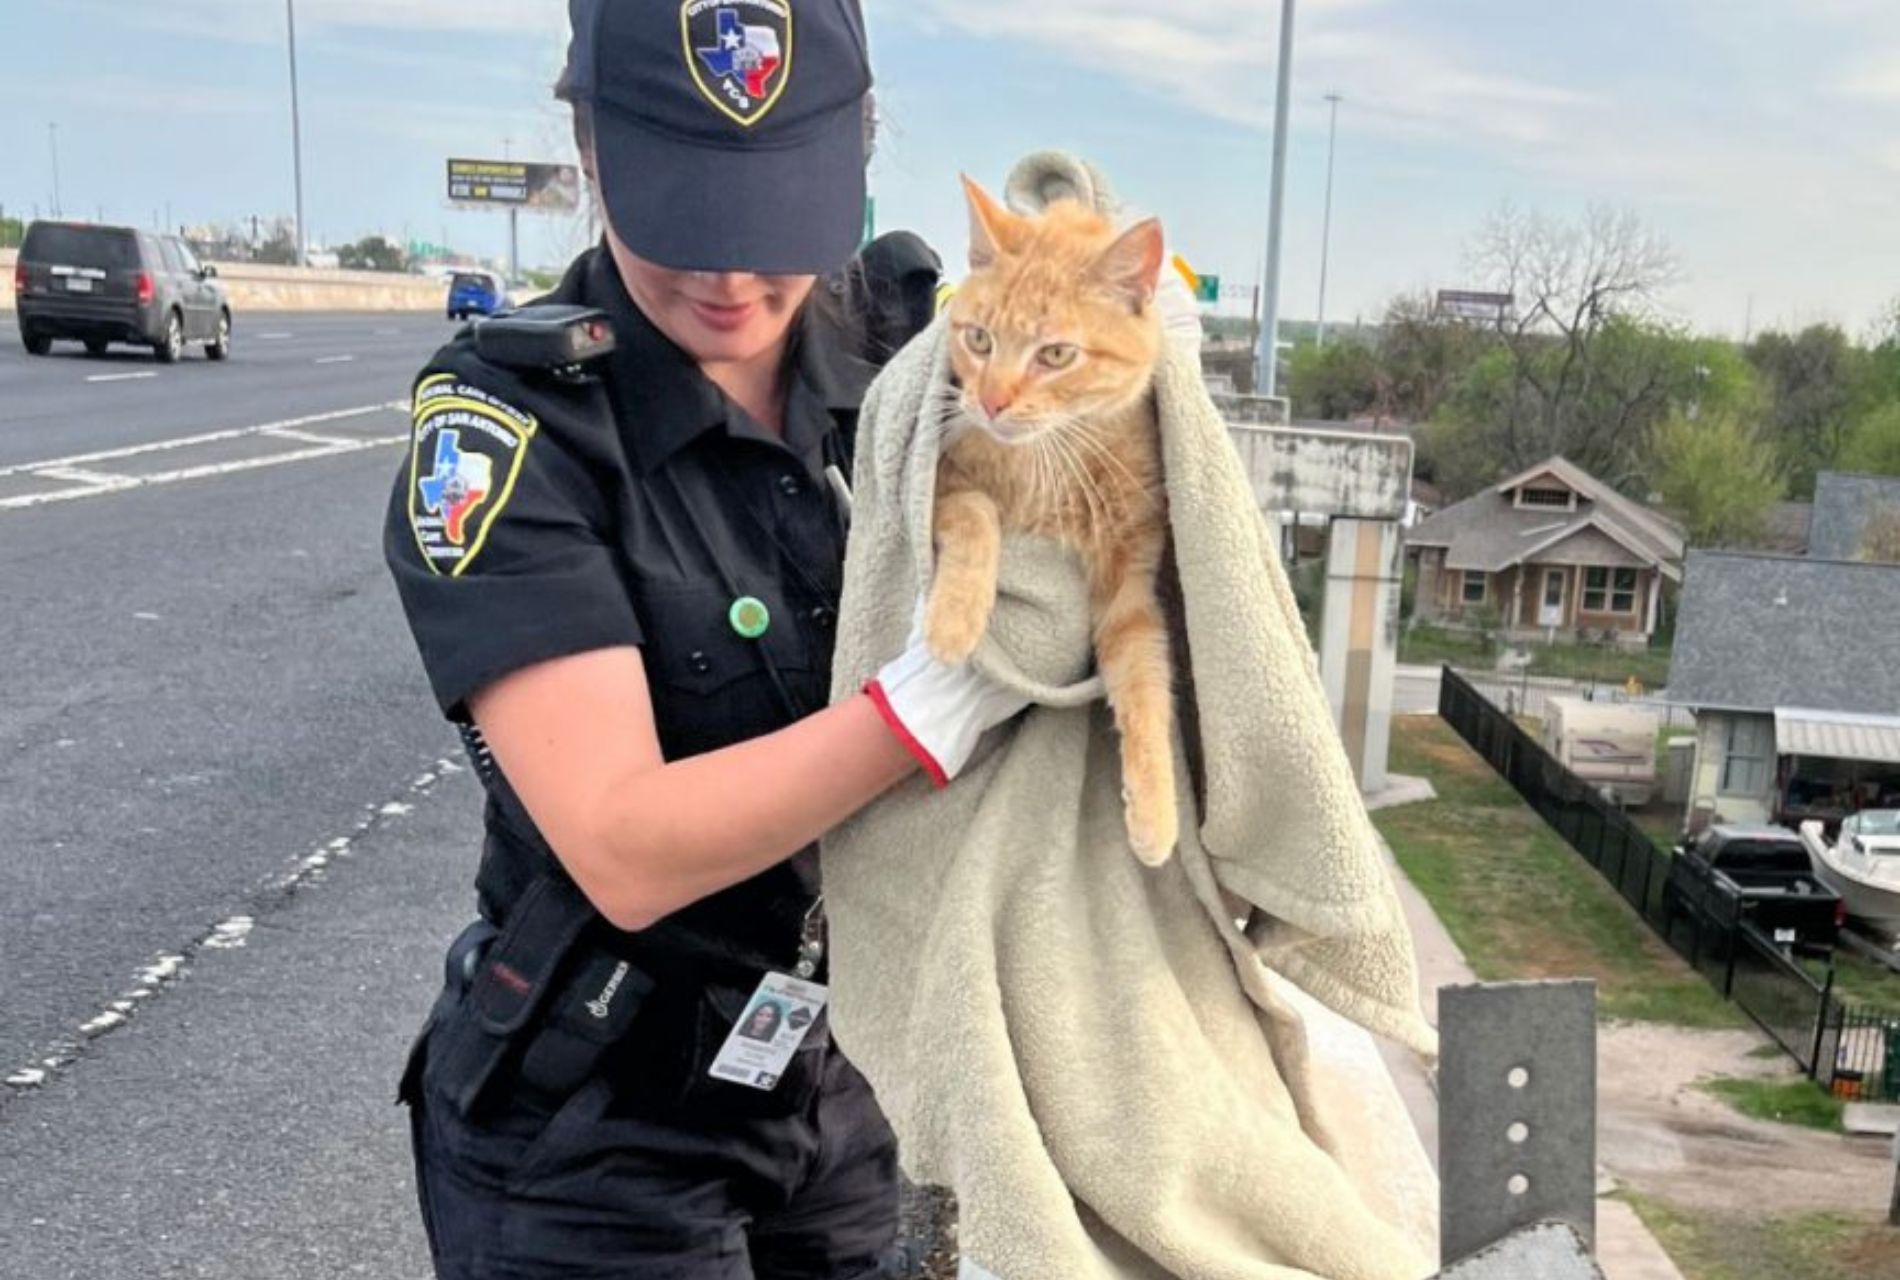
538	518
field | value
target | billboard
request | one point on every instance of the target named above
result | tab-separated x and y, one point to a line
1464	304
521	183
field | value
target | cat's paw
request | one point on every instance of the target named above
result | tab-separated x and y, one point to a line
953	625
1154	823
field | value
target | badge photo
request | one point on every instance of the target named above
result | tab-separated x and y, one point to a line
739	53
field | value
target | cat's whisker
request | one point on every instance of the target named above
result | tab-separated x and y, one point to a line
1081	473
1083	481
1085	436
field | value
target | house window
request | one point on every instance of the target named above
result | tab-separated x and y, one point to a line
1477	586
1558	498
1609	590
1749	756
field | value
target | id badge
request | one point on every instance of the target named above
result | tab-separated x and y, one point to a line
776	1021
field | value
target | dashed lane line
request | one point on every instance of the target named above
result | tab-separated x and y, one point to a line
232	933
122	377
86	480
333	359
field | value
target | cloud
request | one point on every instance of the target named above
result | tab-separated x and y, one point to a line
1219	59
172	98
252	22
1874	78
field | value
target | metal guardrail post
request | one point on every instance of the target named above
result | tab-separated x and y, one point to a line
1517	1111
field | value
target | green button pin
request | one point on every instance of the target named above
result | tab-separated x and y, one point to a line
749	617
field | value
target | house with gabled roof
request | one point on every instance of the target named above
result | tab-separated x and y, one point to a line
1550	552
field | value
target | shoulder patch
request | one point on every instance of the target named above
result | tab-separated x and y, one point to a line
465	453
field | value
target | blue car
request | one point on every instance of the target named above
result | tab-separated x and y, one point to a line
475	293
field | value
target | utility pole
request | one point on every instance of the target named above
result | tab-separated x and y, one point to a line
296	135
514	223
1267	356
52	136
1326	234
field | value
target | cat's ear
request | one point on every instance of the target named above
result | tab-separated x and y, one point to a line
989	225
1132	265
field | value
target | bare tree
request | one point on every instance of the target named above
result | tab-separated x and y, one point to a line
1573	389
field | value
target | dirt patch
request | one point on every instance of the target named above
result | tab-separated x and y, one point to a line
1662	1137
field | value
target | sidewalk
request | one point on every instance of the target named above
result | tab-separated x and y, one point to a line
1624	1247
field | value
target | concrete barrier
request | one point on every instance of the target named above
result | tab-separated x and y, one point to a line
254	287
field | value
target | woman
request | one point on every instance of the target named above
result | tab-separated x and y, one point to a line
622	583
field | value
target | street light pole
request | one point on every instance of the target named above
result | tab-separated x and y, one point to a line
514	222
296	136
1267	356
1326	235
52	137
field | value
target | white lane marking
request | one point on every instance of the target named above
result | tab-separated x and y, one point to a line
202	472
91	484
151	981
274	337
208	437
305	437
333	359
122	377
78	475
388	333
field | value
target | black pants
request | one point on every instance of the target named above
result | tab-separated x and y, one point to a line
623	1180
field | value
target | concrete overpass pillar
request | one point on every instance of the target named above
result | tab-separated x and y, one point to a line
1363	484
1359	638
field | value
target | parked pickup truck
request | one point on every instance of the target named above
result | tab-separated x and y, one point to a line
1766	869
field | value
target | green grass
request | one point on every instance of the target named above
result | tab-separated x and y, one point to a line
1796	1102
1518	901
1660	822
1860	981
1431	646
1818	1246
1602	663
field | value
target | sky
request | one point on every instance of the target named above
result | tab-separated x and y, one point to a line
1760	137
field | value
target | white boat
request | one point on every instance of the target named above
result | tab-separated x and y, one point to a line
1862	865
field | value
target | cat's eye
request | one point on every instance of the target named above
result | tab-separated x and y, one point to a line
1058	355
978	340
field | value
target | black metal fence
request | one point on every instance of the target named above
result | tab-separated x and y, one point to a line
1620	850
1864	1047
1831	1040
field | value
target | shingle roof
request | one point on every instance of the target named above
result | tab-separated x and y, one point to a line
1756	632
1488	532
1842	505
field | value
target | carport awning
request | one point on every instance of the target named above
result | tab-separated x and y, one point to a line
1837	735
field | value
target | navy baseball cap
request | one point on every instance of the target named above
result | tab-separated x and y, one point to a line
729	134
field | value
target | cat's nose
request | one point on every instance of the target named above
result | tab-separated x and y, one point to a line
996	403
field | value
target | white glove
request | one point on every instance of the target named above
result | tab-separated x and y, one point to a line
939	712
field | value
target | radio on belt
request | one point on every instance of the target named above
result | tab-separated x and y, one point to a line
558	338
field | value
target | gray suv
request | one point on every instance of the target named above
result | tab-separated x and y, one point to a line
100	285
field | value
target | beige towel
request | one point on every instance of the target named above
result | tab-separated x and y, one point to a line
1088	1052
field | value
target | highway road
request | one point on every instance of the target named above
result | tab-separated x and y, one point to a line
233	836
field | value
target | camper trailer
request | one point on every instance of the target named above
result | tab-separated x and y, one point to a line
1610	746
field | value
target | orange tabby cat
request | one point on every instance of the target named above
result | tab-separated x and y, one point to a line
1054	339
